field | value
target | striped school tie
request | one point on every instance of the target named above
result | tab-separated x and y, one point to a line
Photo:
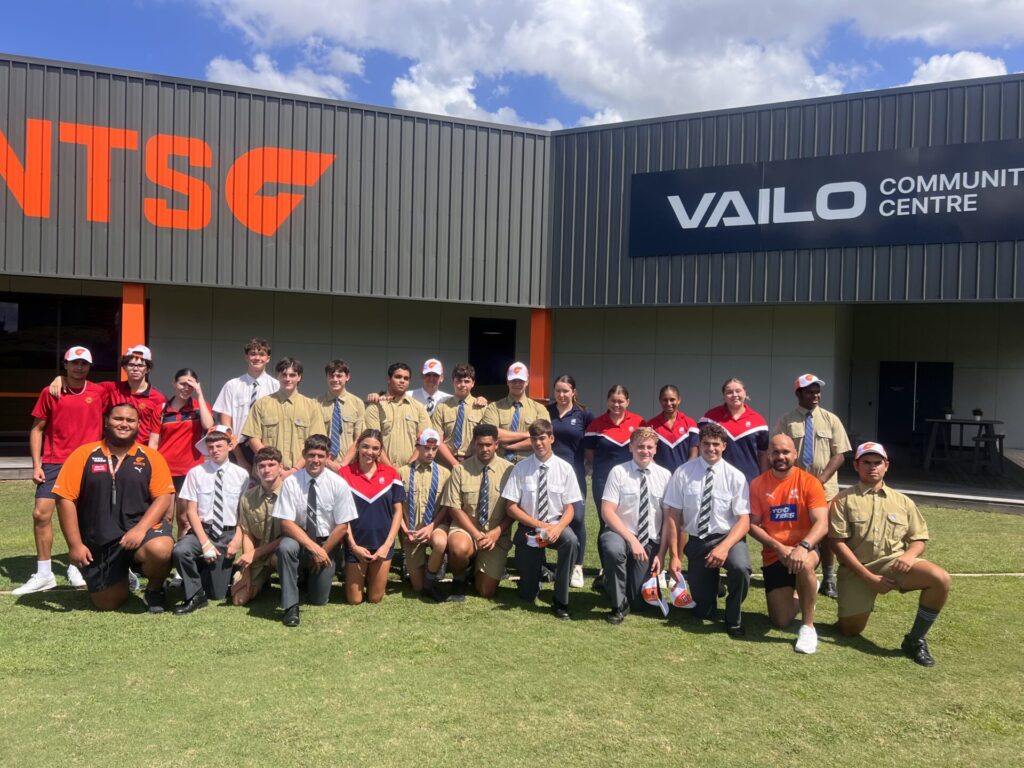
460	418
704	518
255	393
311	509
430	405
542	494
217	523
644	513
514	427
483	508
807	450
428	513
336	427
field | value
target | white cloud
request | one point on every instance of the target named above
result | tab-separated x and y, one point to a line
956	66
619	59
264	74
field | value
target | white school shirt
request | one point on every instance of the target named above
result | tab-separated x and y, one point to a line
420	395
563	488
334	503
730	495
623	490
236	394
199	487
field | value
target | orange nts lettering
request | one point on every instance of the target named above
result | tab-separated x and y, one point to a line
159	150
30	183
98	141
266	213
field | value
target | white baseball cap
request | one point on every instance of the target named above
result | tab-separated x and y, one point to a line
651	593
429	436
78	353
139	350
871	448
517	371
806	380
217	430
433	365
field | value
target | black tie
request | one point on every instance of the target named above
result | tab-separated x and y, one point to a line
645	509
311	509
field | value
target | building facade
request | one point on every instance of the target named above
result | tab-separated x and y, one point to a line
848	236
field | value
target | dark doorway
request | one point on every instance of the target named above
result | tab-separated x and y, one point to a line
908	394
492	348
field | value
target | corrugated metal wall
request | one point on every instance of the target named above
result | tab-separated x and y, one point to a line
413	206
591	170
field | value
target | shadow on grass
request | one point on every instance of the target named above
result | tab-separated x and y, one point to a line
19	569
66	600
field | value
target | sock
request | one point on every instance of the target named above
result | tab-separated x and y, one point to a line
431	575
44	567
922	623
828	573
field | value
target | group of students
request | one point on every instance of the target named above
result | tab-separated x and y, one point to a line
268	478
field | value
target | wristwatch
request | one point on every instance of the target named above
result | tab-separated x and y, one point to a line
805	545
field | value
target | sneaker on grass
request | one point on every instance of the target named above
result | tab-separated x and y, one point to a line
806	640
133	581
75	577
37	583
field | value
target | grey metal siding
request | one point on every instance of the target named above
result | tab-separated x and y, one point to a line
592	167
413	206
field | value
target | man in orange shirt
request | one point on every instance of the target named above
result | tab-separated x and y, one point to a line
789	516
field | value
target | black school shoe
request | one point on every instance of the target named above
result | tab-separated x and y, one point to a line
736	632
291	616
155	600
433	591
828	589
458	594
561	611
197	601
917	651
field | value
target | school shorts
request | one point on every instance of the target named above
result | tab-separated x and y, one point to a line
492	562
110	562
856	596
416	552
45	490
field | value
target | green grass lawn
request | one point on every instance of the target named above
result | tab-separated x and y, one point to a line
493	683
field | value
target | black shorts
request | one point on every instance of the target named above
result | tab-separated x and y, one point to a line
45	490
178	480
110	562
777	576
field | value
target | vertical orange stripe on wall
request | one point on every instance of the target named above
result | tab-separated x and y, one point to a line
133	316
540	352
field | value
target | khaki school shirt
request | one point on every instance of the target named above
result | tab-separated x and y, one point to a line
499	413
878	526
400	422
422	489
254	516
463	490
352	414
445	414
285	422
830	438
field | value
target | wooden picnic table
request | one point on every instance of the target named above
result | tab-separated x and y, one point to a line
939	437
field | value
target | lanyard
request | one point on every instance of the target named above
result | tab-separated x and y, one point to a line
113	466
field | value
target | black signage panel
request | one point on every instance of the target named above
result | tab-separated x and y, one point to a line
956	193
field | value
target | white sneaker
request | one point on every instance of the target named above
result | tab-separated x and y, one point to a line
36	583
133	581
576	580
75	577
806	640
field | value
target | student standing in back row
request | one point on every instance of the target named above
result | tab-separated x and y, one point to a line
343	413
238	396
569	420
398	418
747	431
677	432
457	417
513	415
60	425
430	394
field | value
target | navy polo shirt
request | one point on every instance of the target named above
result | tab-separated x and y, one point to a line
569	431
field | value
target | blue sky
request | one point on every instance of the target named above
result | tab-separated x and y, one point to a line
555	64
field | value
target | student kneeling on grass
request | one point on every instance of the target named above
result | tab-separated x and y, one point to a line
424	520
540	494
378	493
315	508
211	492
879	537
261	532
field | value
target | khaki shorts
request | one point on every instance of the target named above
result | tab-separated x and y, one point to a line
856	596
416	553
492	562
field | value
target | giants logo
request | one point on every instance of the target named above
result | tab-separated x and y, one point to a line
31	182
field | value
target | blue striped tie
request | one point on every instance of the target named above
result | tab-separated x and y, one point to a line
807	450
336	427
460	417
513	427
483	507
428	515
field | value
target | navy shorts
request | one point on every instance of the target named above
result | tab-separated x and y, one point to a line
179	481
45	490
777	576
110	562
